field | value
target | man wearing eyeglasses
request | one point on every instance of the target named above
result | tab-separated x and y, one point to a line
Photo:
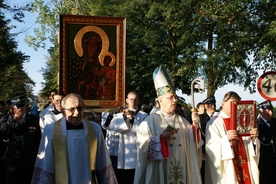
22	133
72	150
168	152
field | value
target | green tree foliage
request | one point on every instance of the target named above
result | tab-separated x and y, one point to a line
48	18
50	72
235	33
14	79
220	41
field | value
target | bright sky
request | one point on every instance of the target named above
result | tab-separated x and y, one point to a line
37	58
245	95
37	61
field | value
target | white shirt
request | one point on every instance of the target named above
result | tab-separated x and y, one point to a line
127	152
111	138
49	118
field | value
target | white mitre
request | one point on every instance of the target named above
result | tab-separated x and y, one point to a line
162	81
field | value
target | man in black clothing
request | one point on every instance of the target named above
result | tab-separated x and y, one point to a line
267	136
210	111
22	133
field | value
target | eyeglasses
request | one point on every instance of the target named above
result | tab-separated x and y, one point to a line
72	109
172	98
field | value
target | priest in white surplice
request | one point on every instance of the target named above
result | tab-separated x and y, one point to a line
51	116
230	158
168	152
72	150
125	124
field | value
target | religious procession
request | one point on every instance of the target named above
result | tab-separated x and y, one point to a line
159	145
95	129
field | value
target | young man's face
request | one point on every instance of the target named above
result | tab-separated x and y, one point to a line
201	109
56	101
132	101
226	106
52	96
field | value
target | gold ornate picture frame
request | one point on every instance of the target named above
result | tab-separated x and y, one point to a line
243	116
92	60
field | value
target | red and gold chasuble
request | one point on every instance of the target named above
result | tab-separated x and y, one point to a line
240	158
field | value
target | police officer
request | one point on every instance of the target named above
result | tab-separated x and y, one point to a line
210	106
210	111
22	133
267	136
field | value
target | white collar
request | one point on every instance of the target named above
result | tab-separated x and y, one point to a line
223	115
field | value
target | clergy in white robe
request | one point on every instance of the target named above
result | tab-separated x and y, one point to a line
182	164
42	114
72	150
127	139
220	155
168	145
52	113
125	124
49	117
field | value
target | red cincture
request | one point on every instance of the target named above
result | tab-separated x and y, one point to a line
240	160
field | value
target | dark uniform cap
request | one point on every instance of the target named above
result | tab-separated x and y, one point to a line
209	100
265	105
18	101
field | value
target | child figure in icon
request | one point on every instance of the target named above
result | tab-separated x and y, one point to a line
107	85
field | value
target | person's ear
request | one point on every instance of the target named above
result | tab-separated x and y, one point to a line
159	100
222	104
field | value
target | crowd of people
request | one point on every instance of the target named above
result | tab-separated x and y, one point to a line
138	145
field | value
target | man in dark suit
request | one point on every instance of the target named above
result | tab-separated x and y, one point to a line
210	111
267	136
22	134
